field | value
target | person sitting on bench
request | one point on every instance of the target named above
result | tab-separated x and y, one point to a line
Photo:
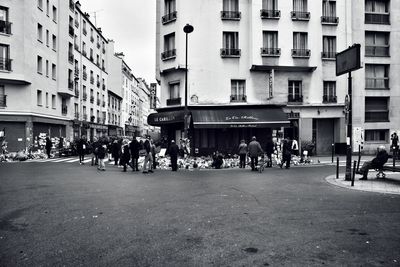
376	163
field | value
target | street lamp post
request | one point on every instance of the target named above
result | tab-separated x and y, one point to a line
187	29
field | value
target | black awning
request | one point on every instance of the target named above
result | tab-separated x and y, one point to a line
166	117
240	118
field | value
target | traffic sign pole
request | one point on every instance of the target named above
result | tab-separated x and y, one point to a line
349	131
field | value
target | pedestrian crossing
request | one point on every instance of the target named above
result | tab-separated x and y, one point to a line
67	160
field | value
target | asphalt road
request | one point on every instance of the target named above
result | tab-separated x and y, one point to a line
64	214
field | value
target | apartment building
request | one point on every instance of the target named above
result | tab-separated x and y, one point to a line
261	67
376	87
144	107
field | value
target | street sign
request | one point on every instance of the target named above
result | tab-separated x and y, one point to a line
358	138
348	60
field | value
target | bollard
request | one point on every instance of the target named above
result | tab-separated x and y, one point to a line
337	167
359	160
333	151
394	157
354	172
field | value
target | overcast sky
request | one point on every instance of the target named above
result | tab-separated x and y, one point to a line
131	24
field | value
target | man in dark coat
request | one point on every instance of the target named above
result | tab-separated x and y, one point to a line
81	149
134	148
49	144
269	150
286	153
376	163
173	153
115	151
125	156
255	150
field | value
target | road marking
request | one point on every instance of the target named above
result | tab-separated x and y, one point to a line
61	160
72	160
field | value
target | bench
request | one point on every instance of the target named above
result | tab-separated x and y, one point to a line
381	171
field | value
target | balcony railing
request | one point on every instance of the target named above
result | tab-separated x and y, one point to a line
84	117
64	110
174	101
300	15
377	83
84	31
5	64
92	99
230	52
71	31
76	72
169	54
230	15
270	52
301	53
76	115
98	102
3	101
295	98
84	76
377	51
71	58
270	14
238	98
5	27
329	99
84	96
328	55
377	18
91	80
169	17
70	85
330	20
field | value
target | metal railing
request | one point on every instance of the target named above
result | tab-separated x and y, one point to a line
270	51
231	15
270	14
377	83
84	76
329	99
300	15
92	99
377	18
295	98
174	101
64	110
328	54
5	64
91	80
230	52
238	98
169	17
330	20
168	54
5	27
306	53
377	51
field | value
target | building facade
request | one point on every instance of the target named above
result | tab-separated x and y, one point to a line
261	67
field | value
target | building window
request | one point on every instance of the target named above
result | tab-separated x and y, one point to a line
54	14
54	43
40	32
47	68
47	100
230	44
5	25
377	12
48	8
377	44
174	94
329	92
40	4
300	10
39	64
300	45
39	97
169	11
376	109
47	38
53	71
169	47
270	44
3	97
238	91
230	10
53	101
376	76
329	47
329	12
295	91
5	61
379	136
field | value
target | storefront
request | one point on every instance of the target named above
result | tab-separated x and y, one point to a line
221	128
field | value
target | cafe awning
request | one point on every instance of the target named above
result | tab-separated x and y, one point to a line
240	118
166	117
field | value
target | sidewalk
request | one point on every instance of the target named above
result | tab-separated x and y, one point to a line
342	159
389	185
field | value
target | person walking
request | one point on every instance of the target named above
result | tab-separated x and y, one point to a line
286	153
101	154
173	152
49	145
125	156
148	158
242	150
395	145
269	150
95	146
134	148
115	151
81	149
255	150
153	154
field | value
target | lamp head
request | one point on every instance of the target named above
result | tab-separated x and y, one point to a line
188	28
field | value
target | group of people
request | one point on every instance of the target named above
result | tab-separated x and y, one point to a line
254	150
124	153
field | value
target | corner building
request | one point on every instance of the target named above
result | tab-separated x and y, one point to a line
260	67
